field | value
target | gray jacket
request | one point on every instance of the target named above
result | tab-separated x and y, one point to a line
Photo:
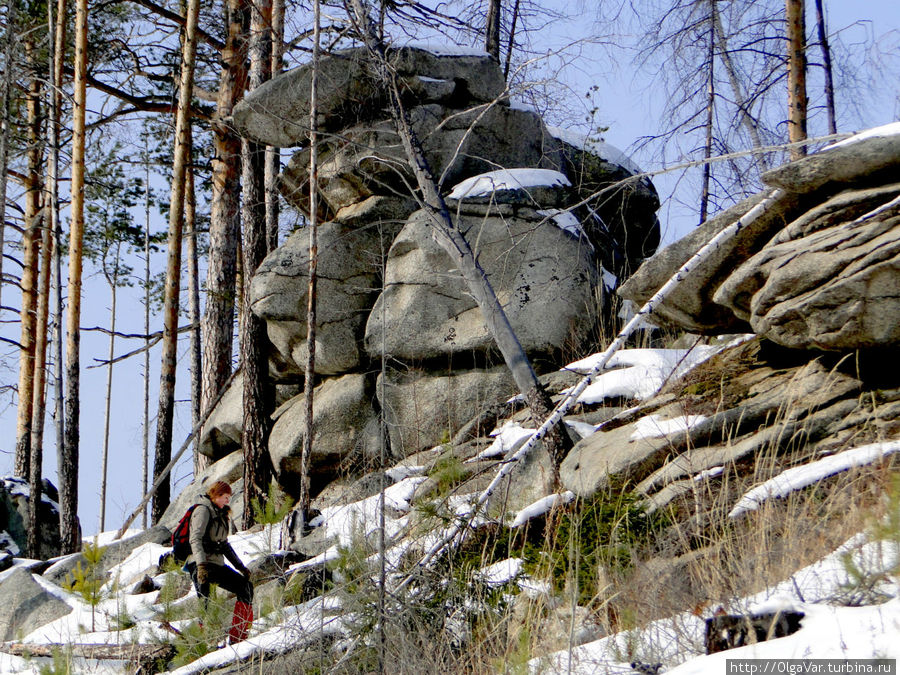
210	527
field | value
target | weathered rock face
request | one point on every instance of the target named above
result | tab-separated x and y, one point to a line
26	605
820	269
14	517
424	409
765	402
346	431
545	278
388	291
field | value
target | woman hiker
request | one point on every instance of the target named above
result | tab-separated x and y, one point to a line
209	547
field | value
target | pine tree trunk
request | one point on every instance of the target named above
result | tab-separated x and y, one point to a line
70	534
258	400
224	226
31	245
173	267
145	456
273	158
49	254
826	65
796	57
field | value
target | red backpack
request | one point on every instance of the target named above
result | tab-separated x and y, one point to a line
181	537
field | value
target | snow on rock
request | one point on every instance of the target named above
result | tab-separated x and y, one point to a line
541	506
638	373
445	48
566	221
507	179
501	572
654	426
891	129
507	439
597	147
802	476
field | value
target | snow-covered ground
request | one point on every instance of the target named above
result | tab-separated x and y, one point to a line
829	629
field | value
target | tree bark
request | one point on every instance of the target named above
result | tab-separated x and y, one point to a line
273	158
710	113
56	26
452	241
826	65
740	100
31	245
173	267
145	456
258	400
5	120
492	30
309	375
224	226
795	19
70	534
193	272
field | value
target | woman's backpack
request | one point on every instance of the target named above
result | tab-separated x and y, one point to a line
181	537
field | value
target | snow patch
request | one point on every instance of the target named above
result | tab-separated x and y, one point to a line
507	179
802	476
654	426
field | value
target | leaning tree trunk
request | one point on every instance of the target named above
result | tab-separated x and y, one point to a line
68	467
224	223
258	401
452	241
796	57
750	123
173	267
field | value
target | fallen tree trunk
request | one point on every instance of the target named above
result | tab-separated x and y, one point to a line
146	656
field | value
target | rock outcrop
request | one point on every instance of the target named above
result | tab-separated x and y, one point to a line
819	270
549	228
15	519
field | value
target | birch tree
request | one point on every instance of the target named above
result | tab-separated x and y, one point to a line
795	20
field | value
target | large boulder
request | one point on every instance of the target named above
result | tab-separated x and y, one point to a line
690	305
277	113
760	405
349	264
830	280
113	554
346	432
370	159
26	605
544	277
15	519
424	409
